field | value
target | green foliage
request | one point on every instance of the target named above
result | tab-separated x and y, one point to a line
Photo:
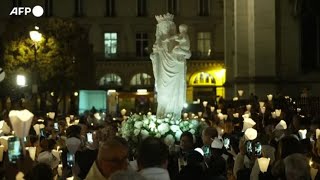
58	54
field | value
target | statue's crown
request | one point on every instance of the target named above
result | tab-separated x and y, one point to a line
165	17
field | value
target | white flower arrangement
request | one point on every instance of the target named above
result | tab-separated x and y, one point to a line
138	127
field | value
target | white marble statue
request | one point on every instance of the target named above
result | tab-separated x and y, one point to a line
170	52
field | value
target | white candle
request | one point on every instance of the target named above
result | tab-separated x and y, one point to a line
269	96
263	110
218	111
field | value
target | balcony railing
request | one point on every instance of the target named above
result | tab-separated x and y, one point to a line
132	56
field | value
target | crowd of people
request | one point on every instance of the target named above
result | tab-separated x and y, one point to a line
95	150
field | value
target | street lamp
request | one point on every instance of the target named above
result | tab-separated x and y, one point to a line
36	37
21	80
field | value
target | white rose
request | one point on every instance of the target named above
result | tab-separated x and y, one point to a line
157	135
160	121
144	134
146	122
192	131
174	128
138	124
169	140
178	135
136	132
163	128
152	125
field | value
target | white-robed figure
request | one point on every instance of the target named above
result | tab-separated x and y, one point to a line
170	52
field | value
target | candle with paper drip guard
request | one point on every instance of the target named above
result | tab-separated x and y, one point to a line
317	133
56	153
273	115
302	133
281	125
248	107
37	128
220	116
248	123
269	96
21	122
240	92
218	111
4	142
1	152
68	121
263	164
261	104
199	114
205	103
76	122
212	108
32	152
236	115
4	127
59	170
235	99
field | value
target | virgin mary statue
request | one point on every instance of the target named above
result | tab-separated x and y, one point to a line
169	66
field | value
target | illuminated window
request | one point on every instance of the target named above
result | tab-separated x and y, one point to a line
142	44
172	6
142	7
110	80
110	8
110	44
141	79
48	8
204	7
78	11
204	79
204	43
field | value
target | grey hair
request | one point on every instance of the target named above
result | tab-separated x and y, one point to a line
297	167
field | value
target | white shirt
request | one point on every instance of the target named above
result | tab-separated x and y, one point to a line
155	173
